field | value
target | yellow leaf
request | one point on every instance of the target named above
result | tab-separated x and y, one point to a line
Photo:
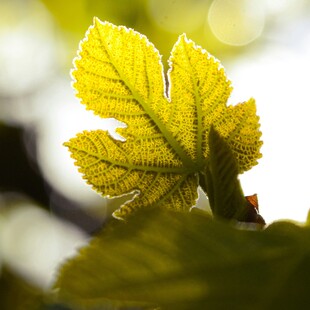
118	73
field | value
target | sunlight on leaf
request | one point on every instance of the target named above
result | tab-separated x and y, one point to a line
220	181
118	74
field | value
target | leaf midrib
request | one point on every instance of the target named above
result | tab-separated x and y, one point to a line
185	158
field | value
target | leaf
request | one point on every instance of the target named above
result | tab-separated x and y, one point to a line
118	74
184	261
221	182
17	294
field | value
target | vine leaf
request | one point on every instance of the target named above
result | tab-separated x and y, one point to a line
118	74
190	262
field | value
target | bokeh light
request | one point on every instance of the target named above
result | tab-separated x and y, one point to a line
237	22
27	54
34	243
178	16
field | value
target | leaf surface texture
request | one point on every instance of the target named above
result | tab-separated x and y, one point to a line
118	74
185	261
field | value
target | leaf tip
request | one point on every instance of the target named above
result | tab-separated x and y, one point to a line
66	144
183	37
96	20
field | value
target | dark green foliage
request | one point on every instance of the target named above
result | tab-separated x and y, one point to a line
220	182
17	294
185	261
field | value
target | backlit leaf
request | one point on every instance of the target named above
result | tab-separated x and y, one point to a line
118	74
220	180
221	183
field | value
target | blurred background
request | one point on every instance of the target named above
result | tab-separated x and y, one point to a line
46	209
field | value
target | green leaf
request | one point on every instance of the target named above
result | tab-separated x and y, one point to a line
17	294
308	218
185	261
118	74
221	182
